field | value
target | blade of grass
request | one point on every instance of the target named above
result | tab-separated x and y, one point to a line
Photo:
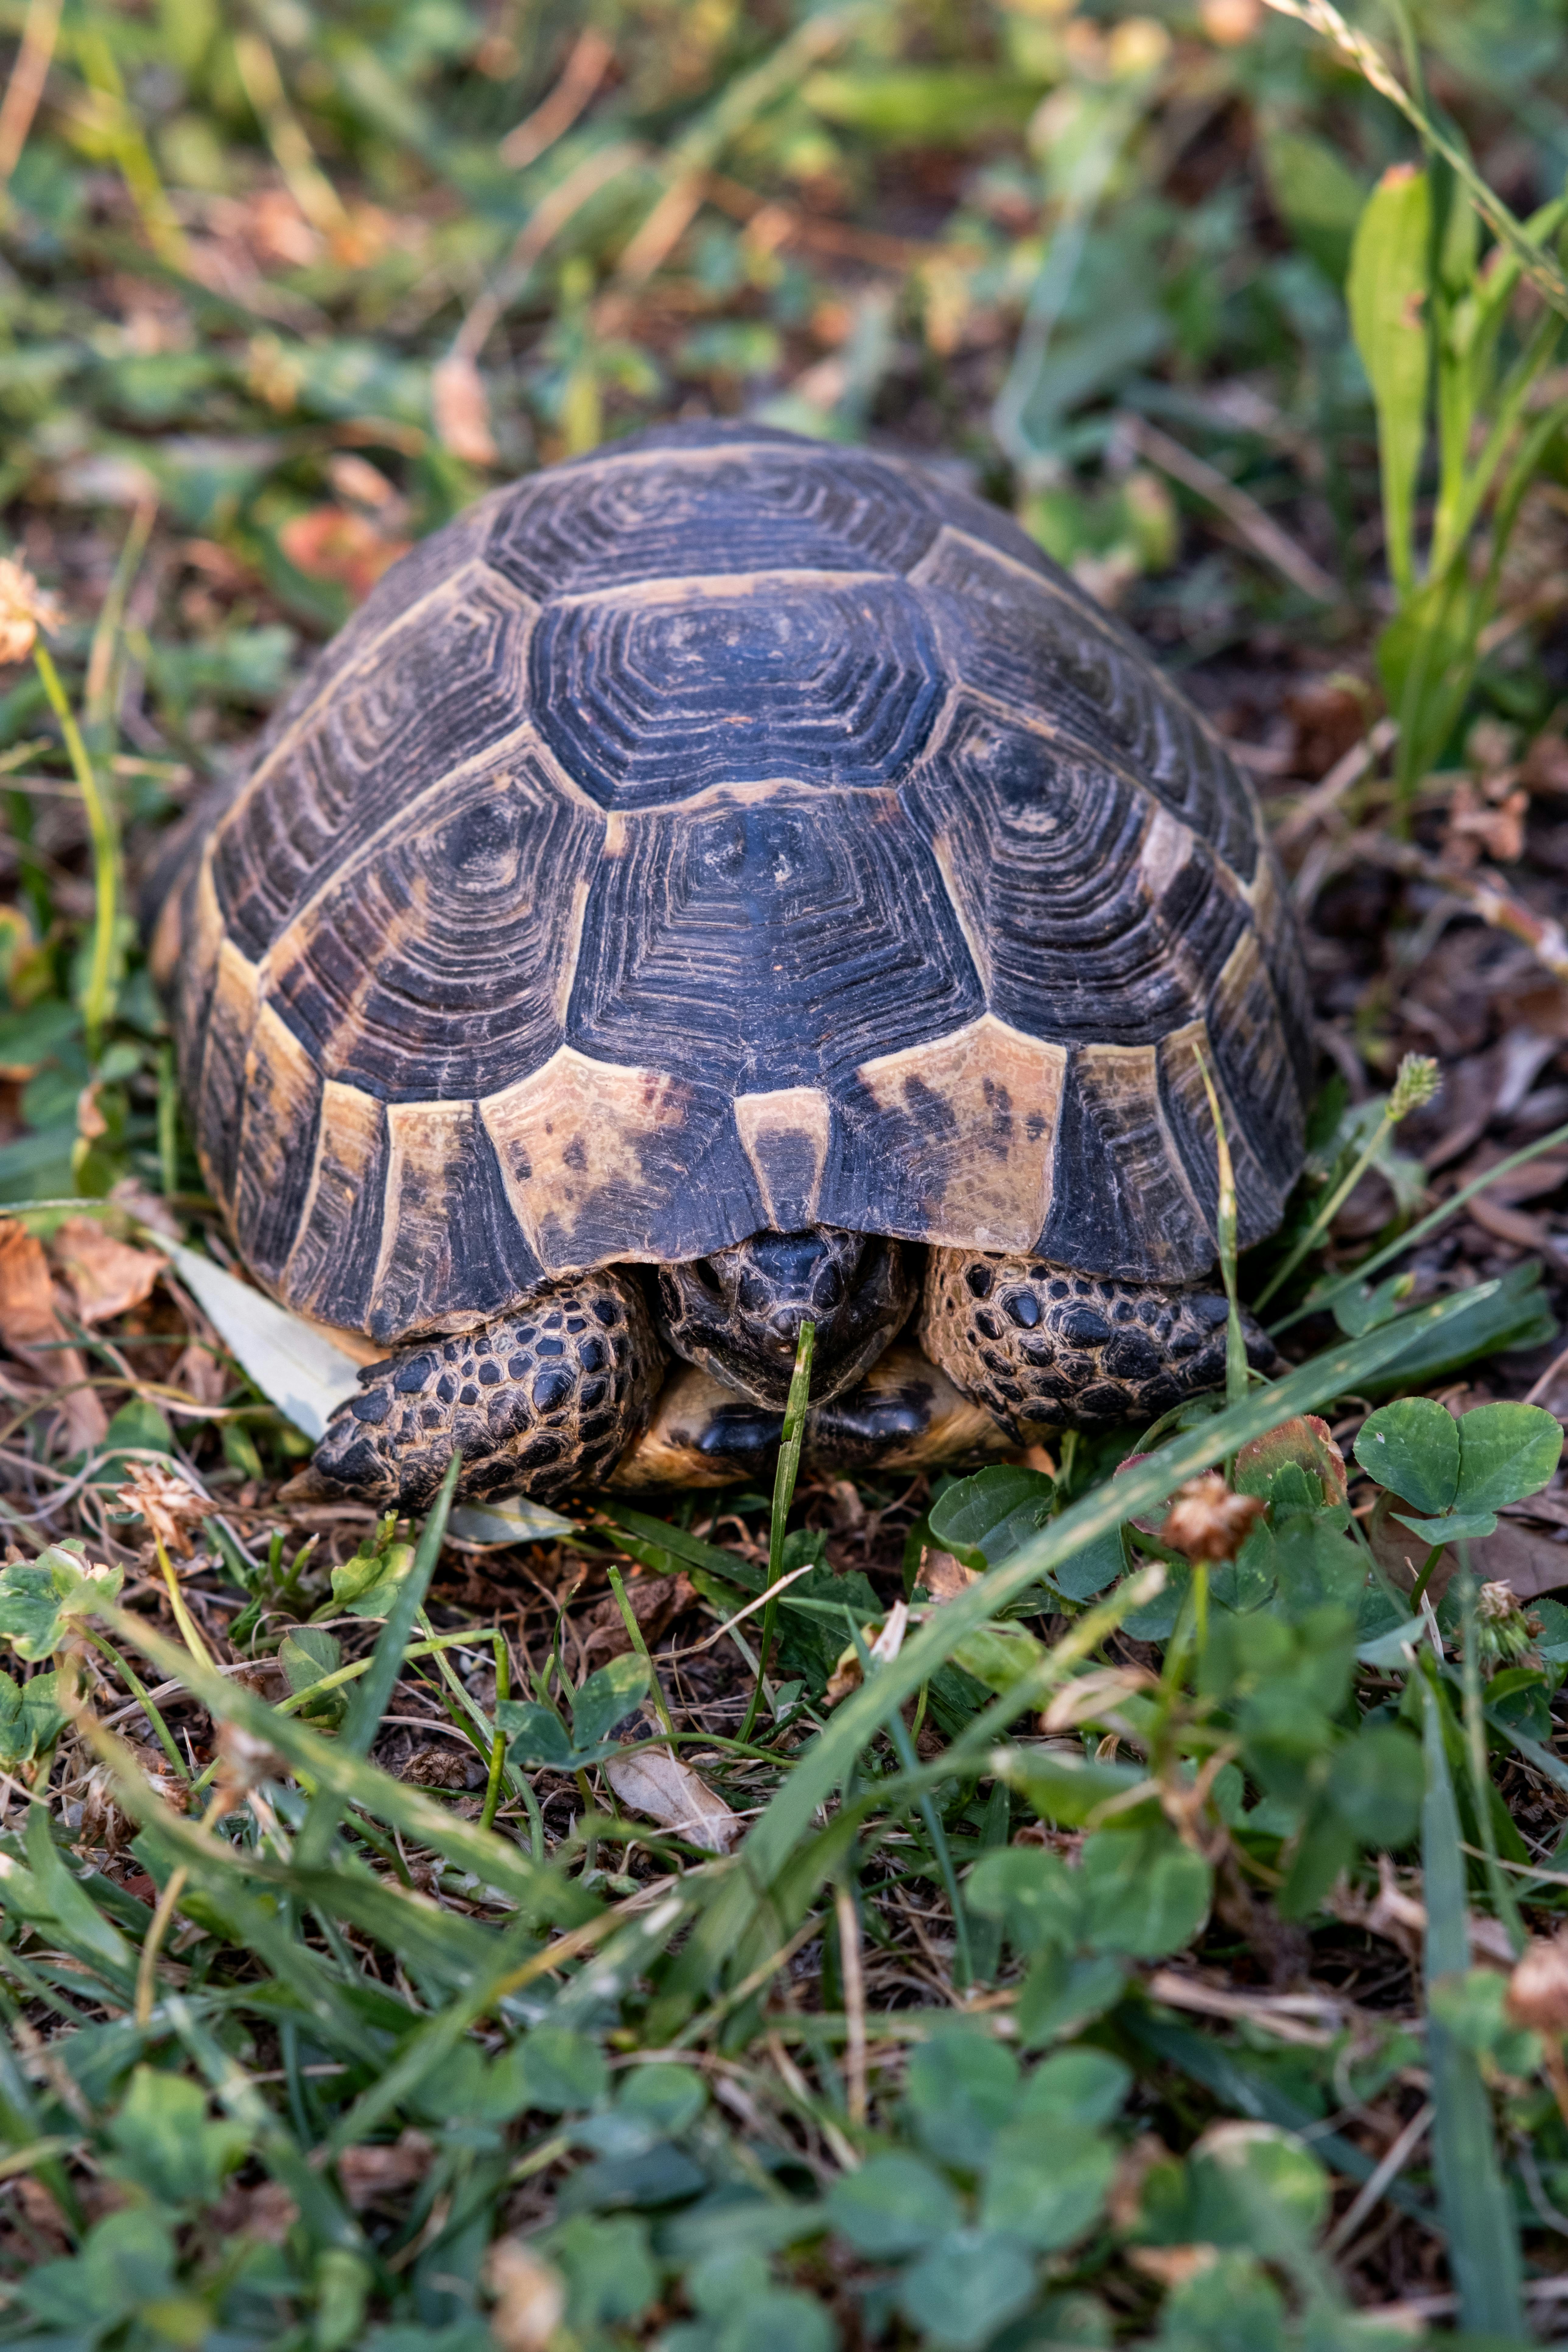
1483	2241
369	1703
783	1494
99	988
1323	1300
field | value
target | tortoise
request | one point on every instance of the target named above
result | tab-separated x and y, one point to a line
720	881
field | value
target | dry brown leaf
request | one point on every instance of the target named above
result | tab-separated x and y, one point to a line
169	1505
461	409
1538	1989
657	1601
943	1577
31	1329
265	2211
201	1376
530	2297
656	1782
435	1765
367	2173
336	543
106	1277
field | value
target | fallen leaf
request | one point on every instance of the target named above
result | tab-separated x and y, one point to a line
655	1601
30	1326
436	1766
306	1375
369	2172
106	1277
461	409
264	2212
337	544
201	1376
944	1578
656	1782
530	2297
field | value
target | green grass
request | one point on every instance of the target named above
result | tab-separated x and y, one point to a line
1122	1957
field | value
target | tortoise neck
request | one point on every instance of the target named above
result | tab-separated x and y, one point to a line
739	1313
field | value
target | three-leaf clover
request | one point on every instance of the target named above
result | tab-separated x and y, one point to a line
1456	1476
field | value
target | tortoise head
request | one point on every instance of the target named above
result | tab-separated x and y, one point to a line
738	1314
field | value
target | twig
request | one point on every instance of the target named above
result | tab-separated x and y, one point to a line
591	59
546	221
1348	769
1259	530
853	1978
25	87
1371	2192
1482	890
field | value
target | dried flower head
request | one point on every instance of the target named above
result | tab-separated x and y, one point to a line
530	2297
1504	1632
24	609
244	1762
1538	1989
1417	1081
1207	1521
170	1505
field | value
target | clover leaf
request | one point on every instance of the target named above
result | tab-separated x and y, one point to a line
38	1598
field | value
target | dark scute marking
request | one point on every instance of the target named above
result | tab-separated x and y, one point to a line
430	966
646	704
1062	655
458	1247
767	945
790	505
551	1347
600	1426
488	1375
509	1413
1209	1306
412	1376
593	1355
978	1278
373	1408
468	1394
552	1389
607	1311
1024	1308
545	1447
1046	842
446	687
1117	1203
447	1388
518	1365
575	1323
987	1323
332	1269
593	1392
276	1153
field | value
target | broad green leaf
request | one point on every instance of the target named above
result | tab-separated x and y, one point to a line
1376	1781
78	1915
306	1654
669	2097
1386	292
1472	2008
30	1718
167	2145
39	1599
1319	195
1413	1448
960	2087
1063	1992
1514	1313
1061	1788
605	1698
611	2277
1453	1527
894	2205
535	1733
779	2321
983	1519
1507	1451
1035	1896
964	2287
363	1584
1256	2186
565	2072
1046	2183
998	1656
126	2264
1086	2086
1233	2306
1146	1893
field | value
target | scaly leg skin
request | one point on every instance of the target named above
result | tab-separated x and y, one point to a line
1041	1347
541	1400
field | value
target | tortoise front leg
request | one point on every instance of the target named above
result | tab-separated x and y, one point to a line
544	1399
1043	1347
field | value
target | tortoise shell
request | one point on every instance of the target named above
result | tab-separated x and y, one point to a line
718	831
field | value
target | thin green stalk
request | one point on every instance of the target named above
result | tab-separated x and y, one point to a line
1504	1900
1320	1299
640	1643
138	1690
1415	1084
1235	1370
783	1494
98	996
